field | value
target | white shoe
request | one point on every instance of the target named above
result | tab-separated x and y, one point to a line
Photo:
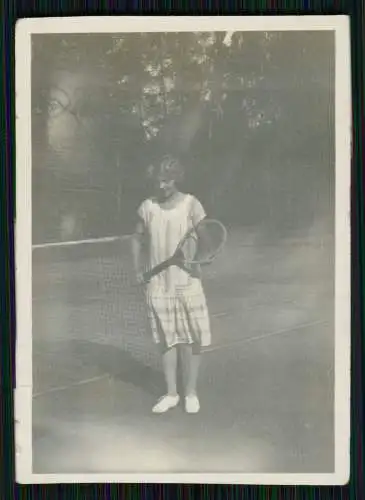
166	403
192	404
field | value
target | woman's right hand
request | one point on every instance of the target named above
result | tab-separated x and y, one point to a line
140	278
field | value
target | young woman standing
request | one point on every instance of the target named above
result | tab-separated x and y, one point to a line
175	298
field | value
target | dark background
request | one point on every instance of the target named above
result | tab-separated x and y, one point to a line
251	117
355	10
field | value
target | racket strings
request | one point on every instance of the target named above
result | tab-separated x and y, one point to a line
189	249
205	242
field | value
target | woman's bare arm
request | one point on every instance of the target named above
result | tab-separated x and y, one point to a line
137	246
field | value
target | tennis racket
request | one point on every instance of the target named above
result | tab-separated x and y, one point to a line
199	247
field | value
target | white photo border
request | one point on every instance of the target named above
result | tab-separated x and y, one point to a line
23	236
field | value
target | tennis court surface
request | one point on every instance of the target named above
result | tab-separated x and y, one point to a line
266	384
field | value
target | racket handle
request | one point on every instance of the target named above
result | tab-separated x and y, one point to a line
148	275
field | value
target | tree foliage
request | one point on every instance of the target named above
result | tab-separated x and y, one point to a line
229	104
155	76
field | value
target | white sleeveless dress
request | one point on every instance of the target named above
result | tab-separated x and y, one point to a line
176	303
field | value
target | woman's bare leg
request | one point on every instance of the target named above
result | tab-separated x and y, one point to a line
169	359
171	399
191	363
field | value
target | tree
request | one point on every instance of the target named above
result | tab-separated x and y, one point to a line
231	105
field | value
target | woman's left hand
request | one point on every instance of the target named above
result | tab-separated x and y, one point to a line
193	269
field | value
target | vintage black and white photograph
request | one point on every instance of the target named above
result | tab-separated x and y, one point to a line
183	250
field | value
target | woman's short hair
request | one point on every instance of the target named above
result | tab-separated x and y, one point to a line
169	167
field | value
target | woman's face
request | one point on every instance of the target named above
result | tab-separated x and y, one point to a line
165	187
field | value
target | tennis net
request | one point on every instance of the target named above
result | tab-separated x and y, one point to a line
86	291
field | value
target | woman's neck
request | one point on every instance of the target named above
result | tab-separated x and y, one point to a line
172	200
